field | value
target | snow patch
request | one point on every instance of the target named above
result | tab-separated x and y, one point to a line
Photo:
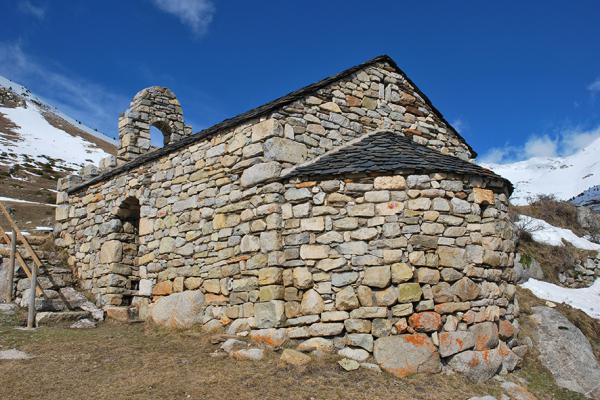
584	299
543	232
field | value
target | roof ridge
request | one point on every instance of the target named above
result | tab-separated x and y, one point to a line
261	111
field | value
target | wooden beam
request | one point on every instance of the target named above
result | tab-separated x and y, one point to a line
13	225
22	262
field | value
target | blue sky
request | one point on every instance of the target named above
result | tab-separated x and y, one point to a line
517	78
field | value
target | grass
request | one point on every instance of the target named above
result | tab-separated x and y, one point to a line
138	361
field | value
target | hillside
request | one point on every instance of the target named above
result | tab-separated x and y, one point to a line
38	145
563	177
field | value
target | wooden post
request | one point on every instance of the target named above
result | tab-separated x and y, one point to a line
11	267
31	311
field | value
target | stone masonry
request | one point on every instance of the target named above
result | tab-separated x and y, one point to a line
347	210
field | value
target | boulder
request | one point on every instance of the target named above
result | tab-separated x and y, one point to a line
178	310
455	342
406	355
316	344
565	352
527	267
271	337
14	354
427	321
479	366
248	354
294	357
486	335
348	365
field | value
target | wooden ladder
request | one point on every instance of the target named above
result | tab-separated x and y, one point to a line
18	256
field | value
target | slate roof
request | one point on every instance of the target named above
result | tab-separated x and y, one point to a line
258	112
386	151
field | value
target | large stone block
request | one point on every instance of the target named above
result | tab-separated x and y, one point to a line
378	277
281	149
260	173
269	314
111	252
266	129
406	355
179	310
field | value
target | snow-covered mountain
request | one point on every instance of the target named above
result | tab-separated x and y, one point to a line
563	177
38	145
31	129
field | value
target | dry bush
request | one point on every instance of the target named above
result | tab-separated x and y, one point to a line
555	212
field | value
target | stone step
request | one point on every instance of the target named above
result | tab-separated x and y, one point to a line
46	318
122	314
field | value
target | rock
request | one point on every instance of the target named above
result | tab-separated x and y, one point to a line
238	325
312	303
248	354
111	252
479	366
565	352
588	219
466	289
76	299
348	365
378	277
343	278
269	314
371	367
271	337
389	182
452	257
8	308
405	355
163	288
485	334
294	357
232	344
401	272
455	342
260	173
408	292
357	325
427	321
14	354
363	340
83	324
54	318
359	355
527	267
482	398
483	196
281	149
506	330
346	299
428	275
316	344
517	392
179	310
326	329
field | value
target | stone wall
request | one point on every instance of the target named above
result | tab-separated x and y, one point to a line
153	106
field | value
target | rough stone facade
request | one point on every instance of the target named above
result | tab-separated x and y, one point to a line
425	257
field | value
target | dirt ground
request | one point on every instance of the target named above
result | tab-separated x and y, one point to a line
137	361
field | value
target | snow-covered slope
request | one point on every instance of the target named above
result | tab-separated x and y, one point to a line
38	145
34	130
563	177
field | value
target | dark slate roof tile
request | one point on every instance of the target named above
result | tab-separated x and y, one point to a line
385	151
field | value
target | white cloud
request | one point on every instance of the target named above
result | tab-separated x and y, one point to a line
594	86
566	143
541	146
197	14
28	7
87	101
